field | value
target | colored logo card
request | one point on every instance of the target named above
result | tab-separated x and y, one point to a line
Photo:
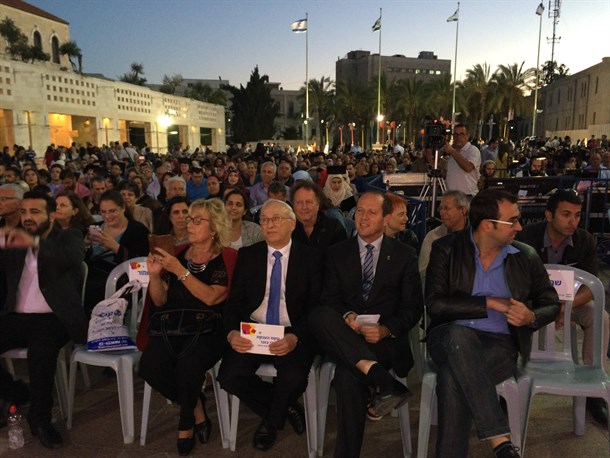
139	271
261	336
563	281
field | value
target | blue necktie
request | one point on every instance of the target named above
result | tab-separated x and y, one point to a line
367	272
275	286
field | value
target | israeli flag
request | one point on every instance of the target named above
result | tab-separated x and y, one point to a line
299	26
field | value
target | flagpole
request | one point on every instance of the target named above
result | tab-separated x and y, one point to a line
537	77
307	80
379	82
457	28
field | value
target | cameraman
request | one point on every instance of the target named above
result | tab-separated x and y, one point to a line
464	162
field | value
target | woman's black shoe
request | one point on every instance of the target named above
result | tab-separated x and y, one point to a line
185	446
204	429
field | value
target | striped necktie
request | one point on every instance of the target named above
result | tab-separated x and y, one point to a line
367	272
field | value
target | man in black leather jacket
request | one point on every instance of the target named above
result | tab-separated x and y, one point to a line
485	294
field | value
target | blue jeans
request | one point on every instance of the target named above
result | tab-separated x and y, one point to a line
470	363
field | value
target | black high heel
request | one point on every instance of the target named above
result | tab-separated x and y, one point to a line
185	446
203	430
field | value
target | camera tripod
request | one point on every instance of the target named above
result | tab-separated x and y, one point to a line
435	178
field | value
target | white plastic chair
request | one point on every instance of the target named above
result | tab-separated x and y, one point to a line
554	372
327	374
222	407
515	390
122	362
309	398
61	371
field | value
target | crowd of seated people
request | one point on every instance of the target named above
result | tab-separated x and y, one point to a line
302	211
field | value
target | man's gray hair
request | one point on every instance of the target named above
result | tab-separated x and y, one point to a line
269	164
173	179
279	203
460	198
16	188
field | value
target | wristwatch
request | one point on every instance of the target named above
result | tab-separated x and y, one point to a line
534	323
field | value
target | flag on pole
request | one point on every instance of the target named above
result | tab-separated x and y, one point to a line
455	16
377	25
299	26
540	9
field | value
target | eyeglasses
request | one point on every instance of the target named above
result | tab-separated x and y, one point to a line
273	219
196	221
508	223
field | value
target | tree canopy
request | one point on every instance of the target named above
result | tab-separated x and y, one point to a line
17	45
135	75
254	111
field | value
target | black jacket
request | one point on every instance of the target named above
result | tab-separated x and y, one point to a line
396	292
60	258
450	278
303	286
583	255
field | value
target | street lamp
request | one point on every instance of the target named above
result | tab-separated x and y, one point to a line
380	118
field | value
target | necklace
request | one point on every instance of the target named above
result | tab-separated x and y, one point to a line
194	267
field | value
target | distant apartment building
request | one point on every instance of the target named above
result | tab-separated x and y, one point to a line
577	105
47	102
361	67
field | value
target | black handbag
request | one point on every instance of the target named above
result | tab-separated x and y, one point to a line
183	322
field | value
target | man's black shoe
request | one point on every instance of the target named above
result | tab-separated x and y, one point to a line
265	436
506	450
48	436
296	418
385	401
598	410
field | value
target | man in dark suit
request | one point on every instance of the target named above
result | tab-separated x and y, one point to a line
277	281
367	275
42	266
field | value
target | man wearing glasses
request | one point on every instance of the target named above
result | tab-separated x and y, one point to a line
464	162
276	281
559	240
486	294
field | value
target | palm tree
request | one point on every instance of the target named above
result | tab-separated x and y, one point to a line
412	96
479	86
71	49
135	75
440	97
354	104
513	82
321	94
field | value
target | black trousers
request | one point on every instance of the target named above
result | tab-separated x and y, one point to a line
346	348
180	378
270	401
43	335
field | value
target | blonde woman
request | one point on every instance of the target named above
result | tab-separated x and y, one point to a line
197	279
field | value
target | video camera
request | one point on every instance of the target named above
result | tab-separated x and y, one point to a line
435	135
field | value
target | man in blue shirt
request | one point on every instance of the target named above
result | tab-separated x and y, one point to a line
196	187
486	294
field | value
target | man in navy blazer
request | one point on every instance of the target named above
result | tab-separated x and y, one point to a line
251	300
43	311
368	275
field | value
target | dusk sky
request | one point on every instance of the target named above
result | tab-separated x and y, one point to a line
207	39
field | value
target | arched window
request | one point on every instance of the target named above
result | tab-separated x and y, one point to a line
37	39
55	50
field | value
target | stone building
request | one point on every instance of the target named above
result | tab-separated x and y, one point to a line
362	66
48	102
577	105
